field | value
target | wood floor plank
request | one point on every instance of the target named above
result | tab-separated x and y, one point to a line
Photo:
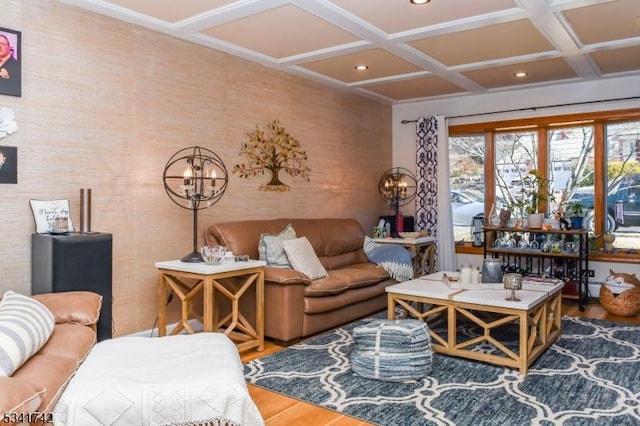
270	403
307	414
279	410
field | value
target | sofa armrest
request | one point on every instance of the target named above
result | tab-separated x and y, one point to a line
82	307
285	276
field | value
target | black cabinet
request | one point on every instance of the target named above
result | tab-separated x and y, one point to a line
70	262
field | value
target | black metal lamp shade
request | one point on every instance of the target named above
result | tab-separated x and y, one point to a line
195	178
397	187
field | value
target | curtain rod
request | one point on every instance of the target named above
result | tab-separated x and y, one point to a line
532	108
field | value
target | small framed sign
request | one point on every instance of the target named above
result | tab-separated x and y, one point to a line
10	62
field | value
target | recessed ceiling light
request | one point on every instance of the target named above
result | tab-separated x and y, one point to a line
419	1
362	67
521	74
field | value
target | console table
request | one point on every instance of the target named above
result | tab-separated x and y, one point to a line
230	280
423	250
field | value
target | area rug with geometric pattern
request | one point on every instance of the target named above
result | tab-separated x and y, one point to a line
589	376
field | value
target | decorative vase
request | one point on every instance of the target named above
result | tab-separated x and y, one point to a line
608	241
513	282
491	270
535	220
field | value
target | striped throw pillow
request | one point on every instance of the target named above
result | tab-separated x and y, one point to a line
303	258
25	327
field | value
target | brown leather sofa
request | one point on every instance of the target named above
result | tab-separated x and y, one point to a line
295	306
34	389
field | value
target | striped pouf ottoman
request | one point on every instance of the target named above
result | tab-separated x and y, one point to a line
392	350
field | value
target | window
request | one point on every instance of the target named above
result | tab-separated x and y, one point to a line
572	165
592	159
515	154
467	183
622	204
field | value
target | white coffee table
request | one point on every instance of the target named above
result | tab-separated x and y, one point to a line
536	317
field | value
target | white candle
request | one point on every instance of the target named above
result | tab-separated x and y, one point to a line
475	275
465	275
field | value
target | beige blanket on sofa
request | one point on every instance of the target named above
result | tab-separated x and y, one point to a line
186	379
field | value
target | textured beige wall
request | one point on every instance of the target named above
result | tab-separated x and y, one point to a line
105	104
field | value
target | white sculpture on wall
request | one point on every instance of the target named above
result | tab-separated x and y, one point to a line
8	123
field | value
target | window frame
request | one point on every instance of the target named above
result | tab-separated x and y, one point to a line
597	119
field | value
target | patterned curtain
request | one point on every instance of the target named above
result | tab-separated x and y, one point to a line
433	200
427	175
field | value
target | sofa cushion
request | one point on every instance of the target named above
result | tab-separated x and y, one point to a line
343	260
321	305
327	286
19	396
271	250
303	258
341	280
50	372
285	276
337	242
25	326
82	307
73	341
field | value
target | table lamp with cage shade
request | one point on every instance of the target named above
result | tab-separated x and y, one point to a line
195	178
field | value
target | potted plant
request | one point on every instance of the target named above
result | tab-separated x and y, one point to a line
536	190
576	214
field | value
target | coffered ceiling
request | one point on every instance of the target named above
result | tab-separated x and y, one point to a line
441	49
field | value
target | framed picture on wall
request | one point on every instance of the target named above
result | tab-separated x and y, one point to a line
8	164
10	62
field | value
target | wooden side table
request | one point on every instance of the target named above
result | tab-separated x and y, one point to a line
209	283
423	250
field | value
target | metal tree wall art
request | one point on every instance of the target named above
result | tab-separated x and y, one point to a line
273	149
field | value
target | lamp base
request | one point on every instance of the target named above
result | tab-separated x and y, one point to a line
193	257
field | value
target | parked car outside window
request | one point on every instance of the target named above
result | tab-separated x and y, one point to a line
465	205
623	204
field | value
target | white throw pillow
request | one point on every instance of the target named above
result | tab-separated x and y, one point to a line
303	258
45	213
25	327
270	247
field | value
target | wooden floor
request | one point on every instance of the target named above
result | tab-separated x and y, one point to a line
278	410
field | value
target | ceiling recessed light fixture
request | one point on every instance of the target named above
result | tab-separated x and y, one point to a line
419	1
362	67
521	74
